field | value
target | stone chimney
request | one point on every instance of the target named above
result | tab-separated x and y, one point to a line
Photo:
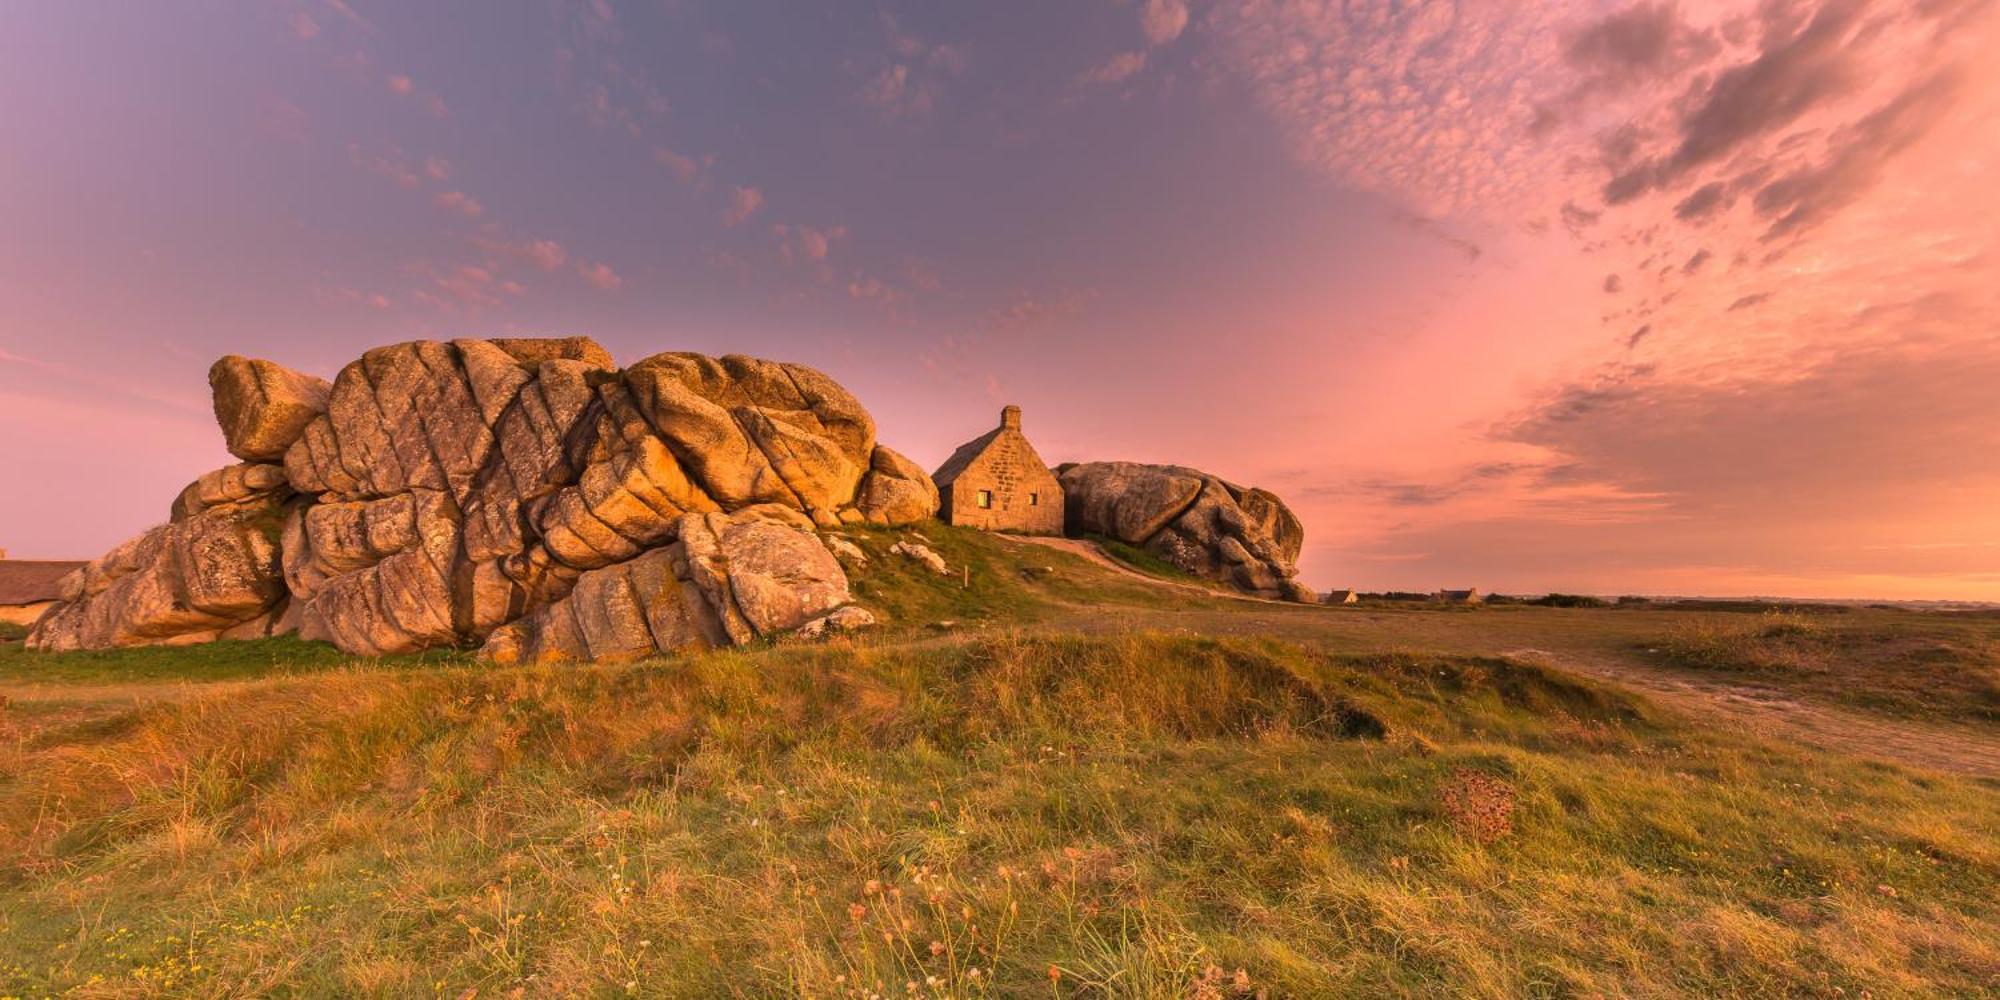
1010	418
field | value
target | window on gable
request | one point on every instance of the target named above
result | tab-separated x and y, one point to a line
985	498
1034	499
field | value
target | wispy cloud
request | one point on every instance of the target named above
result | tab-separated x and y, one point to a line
460	203
743	203
1163	20
599	275
910	83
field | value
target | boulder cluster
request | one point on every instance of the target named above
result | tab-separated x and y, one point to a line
530	498
526	496
1241	536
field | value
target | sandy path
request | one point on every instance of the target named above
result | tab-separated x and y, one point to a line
1761	710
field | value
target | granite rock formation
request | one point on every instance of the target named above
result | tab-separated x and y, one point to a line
1244	537
522	494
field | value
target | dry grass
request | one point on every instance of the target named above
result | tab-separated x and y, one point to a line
1910	665
1011	816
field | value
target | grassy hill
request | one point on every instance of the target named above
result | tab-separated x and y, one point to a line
1083	786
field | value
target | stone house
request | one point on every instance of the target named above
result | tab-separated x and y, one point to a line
1342	597
29	586
996	482
1460	597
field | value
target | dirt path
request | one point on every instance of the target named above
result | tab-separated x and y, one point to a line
1768	712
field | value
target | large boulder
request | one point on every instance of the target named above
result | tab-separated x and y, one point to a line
442	493
727	579
1210	527
896	490
213	568
263	406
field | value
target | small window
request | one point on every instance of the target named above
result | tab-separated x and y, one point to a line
985	499
1034	499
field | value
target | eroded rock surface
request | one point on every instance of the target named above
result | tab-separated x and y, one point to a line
442	493
212	568
1244	537
726	579
263	406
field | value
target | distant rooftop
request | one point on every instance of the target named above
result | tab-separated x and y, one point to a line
29	581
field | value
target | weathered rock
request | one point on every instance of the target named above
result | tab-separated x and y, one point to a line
230	485
263	406
727	579
846	551
922	554
185	581
440	493
896	491
848	619
1244	537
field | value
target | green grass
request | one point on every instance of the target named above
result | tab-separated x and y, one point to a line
1144	814
1908	665
1144	561
232	660
1010	582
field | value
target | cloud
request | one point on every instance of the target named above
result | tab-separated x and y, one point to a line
1859	153
1431	228
429	101
1707	200
1613	284
391	165
805	243
1028	307
437	168
743	203
912	84
459	202
1430	494
1163	20
1786	441
466	288
1794	74
1117	69
599	275
1427	102
876	291
686	168
546	255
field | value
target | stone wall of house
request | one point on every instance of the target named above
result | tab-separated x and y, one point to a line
1025	495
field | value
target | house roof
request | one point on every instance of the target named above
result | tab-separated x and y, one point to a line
960	459
29	581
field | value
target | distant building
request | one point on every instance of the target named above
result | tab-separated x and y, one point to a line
29	586
1458	597
996	482
1342	597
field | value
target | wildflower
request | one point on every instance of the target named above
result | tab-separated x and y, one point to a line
937	947
857	911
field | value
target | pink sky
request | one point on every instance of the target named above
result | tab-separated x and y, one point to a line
1651	297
